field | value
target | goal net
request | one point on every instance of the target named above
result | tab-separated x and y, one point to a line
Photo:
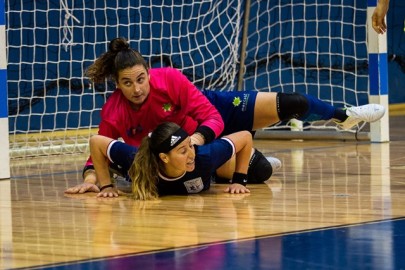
315	47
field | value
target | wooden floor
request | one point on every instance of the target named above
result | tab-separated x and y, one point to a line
322	185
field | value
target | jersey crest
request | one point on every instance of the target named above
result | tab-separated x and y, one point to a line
236	101
195	185
167	107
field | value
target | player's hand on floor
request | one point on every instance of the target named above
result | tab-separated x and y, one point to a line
82	188
236	189
109	192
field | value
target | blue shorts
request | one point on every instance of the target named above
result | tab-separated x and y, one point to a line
121	156
236	108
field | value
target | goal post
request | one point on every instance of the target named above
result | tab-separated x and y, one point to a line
4	137
317	48
378	76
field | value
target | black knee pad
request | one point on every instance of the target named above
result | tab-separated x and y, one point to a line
291	105
260	168
116	170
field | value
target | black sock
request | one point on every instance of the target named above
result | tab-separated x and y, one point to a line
340	115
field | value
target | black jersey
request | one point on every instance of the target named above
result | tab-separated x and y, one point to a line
208	158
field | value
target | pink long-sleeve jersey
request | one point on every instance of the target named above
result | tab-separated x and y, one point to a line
172	98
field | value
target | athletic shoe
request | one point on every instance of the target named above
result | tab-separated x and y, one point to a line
367	113
261	168
275	163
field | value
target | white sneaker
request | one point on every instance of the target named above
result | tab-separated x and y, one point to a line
275	163
367	113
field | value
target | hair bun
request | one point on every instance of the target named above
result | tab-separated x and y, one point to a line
118	44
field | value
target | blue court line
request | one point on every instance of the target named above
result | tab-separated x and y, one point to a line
373	245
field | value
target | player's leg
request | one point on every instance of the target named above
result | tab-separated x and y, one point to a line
273	107
252	110
265	110
237	109
260	169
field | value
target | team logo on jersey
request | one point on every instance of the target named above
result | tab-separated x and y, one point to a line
167	107
174	139
132	131
194	185
236	101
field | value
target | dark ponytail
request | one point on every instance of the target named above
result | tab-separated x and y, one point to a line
118	57
146	166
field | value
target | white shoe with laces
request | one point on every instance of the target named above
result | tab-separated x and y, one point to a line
275	163
367	113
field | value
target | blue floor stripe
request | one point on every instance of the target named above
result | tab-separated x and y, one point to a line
379	245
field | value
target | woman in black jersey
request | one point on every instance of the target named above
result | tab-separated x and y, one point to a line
168	163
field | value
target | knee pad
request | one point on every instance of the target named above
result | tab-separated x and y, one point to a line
116	170
291	105
260	168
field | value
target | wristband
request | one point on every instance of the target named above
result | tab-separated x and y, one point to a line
239	178
87	168
106	186
207	132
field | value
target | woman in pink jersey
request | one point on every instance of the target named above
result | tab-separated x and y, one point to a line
147	97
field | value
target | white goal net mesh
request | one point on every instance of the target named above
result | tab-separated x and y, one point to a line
315	47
